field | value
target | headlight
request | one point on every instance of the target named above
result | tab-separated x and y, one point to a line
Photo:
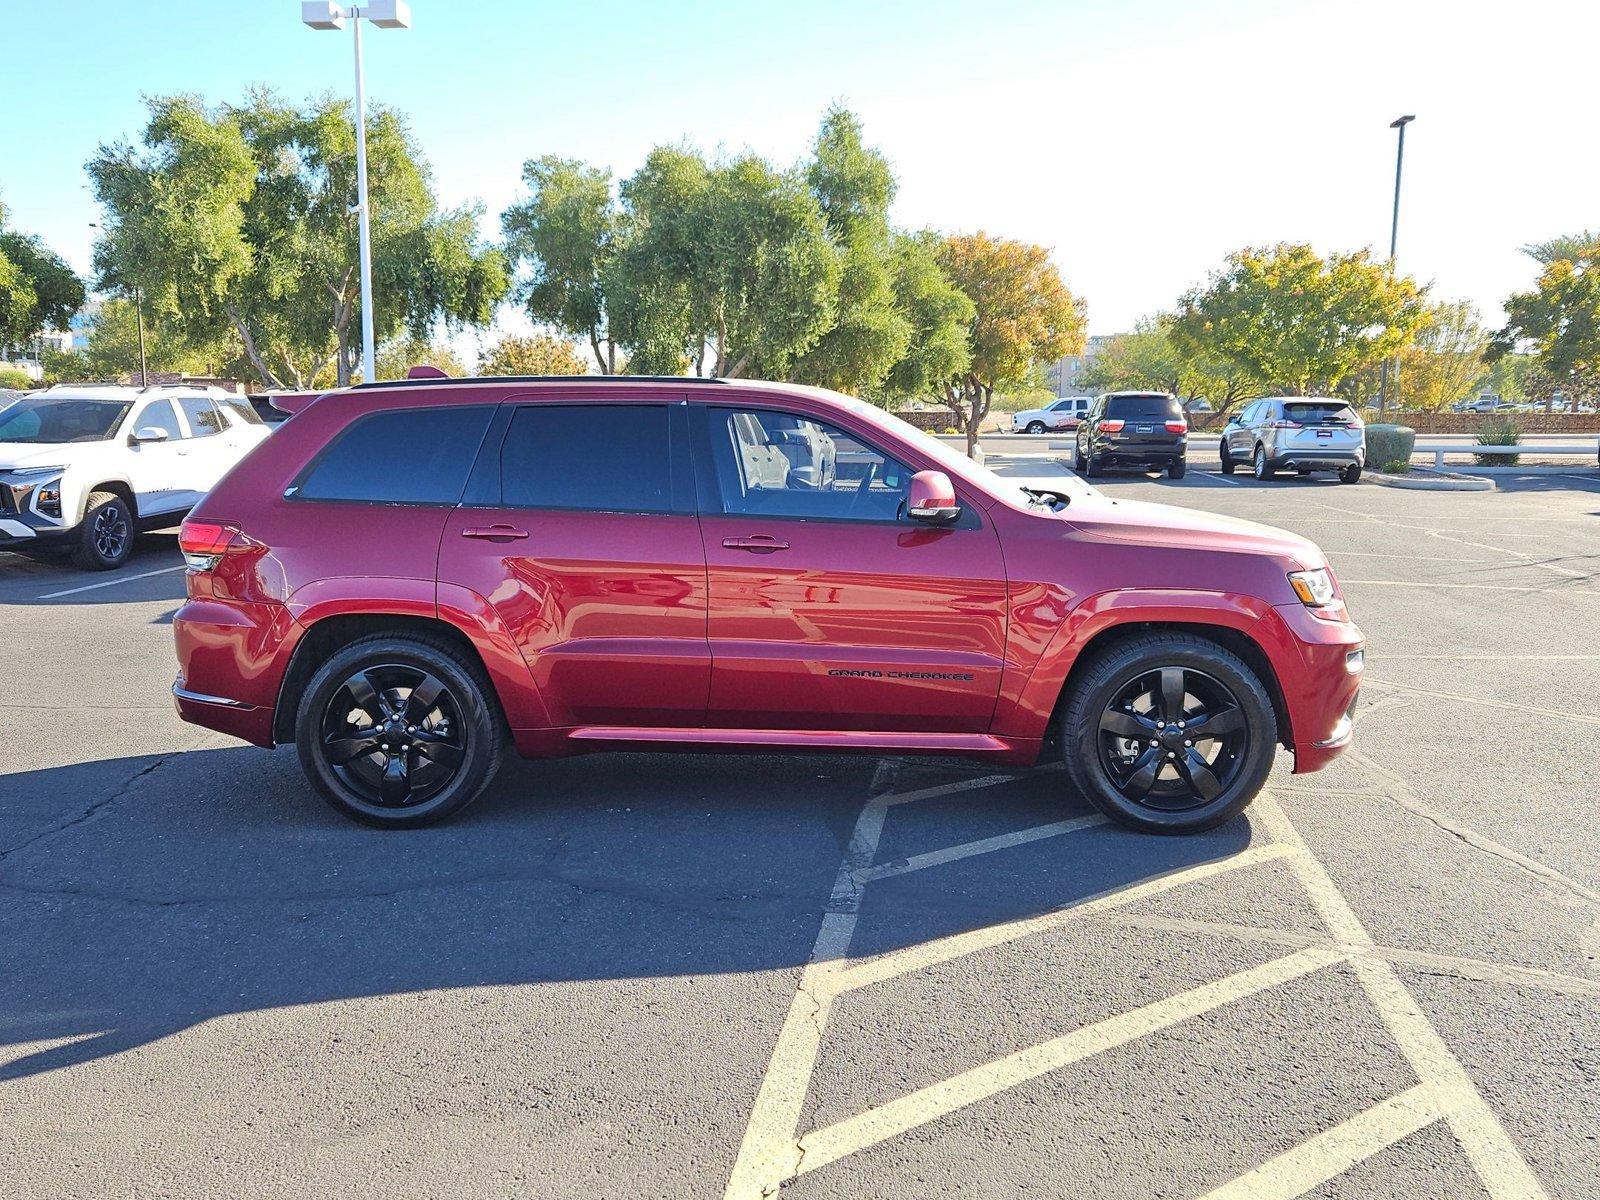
1315	588
32	470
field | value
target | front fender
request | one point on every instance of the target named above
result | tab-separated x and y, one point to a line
1025	709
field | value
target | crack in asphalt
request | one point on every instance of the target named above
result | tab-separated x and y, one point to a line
93	808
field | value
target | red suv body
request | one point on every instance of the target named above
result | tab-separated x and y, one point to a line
406	576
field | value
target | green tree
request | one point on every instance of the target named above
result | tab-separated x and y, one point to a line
399	355
1022	314
112	352
940	316
1558	323
566	235
540	354
1297	322
37	288
853	186
1445	364
240	218
724	265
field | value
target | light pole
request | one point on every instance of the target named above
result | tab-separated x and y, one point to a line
385	14
138	312
1400	124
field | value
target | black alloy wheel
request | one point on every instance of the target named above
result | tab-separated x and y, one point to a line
1173	739
393	733
399	730
1168	732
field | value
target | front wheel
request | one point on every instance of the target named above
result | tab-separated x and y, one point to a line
104	539
1350	474
1169	733
399	732
1035	427
1228	465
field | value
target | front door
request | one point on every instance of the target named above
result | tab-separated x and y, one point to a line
829	608
581	534
159	471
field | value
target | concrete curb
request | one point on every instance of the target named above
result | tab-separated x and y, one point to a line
1430	483
1529	469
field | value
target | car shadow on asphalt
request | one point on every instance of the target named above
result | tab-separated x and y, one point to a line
147	895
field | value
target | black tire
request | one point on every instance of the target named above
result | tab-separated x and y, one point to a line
1228	465
1263	469
1035	427
1078	463
104	538
462	718
1092	467
1350	474
1243	753
1176	468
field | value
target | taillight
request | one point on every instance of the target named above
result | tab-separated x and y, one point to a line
1177	427
1110	426
1283	424
204	543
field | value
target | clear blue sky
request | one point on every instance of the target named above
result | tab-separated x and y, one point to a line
1140	141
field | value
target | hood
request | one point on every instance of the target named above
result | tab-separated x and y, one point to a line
1140	522
38	454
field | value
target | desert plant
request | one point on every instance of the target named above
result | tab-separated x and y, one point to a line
19	381
1498	431
1389	447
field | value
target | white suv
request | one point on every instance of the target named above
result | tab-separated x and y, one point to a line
88	466
1064	413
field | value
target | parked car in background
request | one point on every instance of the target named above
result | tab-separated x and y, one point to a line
1146	430
407	576
1295	433
1199	404
86	467
1054	417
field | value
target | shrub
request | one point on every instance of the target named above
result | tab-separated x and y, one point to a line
1389	447
1498	431
19	381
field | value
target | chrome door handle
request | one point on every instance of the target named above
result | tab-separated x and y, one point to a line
758	543
496	533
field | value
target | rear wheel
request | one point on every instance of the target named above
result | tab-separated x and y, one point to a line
105	536
1078	464
1035	427
1176	468
1169	733
1263	469
1092	467
399	732
1350	474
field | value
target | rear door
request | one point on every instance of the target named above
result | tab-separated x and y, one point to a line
829	608
578	527
210	452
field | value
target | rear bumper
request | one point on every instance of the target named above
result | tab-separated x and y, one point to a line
231	657
1319	460
232	717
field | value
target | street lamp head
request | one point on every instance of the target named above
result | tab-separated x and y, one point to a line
321	14
388	14
1402	122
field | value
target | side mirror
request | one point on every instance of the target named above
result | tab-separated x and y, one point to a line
149	434
932	498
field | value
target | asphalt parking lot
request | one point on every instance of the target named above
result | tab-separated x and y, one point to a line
706	976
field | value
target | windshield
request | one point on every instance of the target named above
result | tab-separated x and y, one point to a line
945	455
47	419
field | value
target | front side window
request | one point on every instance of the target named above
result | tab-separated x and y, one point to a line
781	465
594	457
406	456
43	420
160	415
204	419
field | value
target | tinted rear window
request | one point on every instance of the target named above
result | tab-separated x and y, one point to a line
1320	414
1142	408
599	457
410	456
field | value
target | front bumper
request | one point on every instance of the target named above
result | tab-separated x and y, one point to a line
1319	664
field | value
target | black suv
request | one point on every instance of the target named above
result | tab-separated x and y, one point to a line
1133	429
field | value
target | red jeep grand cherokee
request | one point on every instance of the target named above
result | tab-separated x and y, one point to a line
405	573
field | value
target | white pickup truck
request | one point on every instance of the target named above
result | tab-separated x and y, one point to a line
88	466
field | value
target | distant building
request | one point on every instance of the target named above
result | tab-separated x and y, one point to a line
1062	376
28	356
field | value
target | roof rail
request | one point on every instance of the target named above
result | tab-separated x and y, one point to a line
463	379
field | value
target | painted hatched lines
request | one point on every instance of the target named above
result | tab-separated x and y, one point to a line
775	1150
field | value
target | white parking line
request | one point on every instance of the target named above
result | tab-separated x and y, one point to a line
89	587
936	858
1334	1151
1476	587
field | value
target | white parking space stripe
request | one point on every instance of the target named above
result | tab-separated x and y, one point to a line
944	789
1458	698
940	1099
1217	477
935	858
90	587
942	950
1552	590
1494	1156
1335	1150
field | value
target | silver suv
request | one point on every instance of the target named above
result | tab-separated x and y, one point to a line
1295	433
